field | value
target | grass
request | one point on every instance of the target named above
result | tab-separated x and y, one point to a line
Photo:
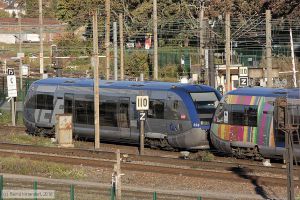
23	166
17	138
5	117
28	139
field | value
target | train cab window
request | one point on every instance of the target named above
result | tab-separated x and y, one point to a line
44	101
221	112
205	104
108	114
31	102
156	109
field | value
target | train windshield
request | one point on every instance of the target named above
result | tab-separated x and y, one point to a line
205	103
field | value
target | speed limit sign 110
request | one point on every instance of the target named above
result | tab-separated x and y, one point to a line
142	103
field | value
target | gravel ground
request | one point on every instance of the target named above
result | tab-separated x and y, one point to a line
213	189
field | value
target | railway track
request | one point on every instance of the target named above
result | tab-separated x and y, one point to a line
220	163
163	165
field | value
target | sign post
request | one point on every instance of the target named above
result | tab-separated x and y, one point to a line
243	77
12	92
142	105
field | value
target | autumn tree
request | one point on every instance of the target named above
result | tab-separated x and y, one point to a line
32	8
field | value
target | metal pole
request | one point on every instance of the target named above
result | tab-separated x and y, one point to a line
35	189
107	38
289	156
20	51
121	46
201	38
154	196
5	66
96	80
1	187
211	67
293	58
142	136
115	51
118	179
112	193
72	192
269	48
41	38
155	62
227	51
13	111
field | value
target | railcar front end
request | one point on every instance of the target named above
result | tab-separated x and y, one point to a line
245	124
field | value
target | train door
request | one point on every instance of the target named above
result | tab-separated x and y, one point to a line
123	120
156	123
58	105
108	118
82	108
173	123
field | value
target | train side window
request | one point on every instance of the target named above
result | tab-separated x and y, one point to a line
44	101
156	109
123	115
252	115
90	113
243	115
108	114
68	104
175	105
80	112
237	115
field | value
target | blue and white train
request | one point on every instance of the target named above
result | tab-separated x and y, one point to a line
179	115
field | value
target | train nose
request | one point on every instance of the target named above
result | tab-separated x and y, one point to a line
219	144
195	138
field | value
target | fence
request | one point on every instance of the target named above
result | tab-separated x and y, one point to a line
41	192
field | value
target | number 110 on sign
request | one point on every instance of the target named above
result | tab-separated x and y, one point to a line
142	103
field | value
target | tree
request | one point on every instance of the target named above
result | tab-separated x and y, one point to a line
32	8
76	12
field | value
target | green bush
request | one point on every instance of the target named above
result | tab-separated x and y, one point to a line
202	156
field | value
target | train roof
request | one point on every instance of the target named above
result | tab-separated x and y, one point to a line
146	85
267	92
